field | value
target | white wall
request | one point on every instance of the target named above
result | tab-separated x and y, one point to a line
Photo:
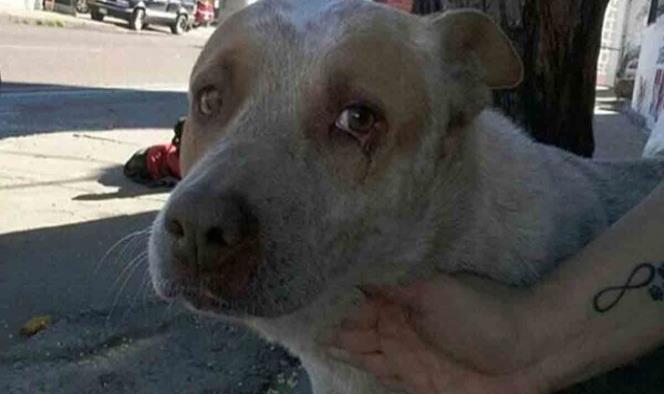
612	41
635	23
624	24
648	97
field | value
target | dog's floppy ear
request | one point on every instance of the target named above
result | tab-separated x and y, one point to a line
470	32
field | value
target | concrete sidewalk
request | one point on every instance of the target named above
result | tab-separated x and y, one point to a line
617	136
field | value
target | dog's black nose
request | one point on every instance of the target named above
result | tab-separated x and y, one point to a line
204	228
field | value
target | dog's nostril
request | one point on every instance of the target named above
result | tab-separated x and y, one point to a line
175	228
215	236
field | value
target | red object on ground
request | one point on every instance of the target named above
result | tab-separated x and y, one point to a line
163	161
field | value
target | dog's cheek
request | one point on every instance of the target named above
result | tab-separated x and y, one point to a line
345	158
186	150
339	152
191	149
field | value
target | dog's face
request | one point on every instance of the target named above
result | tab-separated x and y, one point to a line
314	135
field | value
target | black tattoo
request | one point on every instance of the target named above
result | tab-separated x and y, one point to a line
656	293
615	293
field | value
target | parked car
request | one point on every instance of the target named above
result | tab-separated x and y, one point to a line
178	14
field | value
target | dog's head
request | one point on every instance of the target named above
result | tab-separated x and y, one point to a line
315	132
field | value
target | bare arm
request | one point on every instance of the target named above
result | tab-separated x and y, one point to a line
604	307
464	334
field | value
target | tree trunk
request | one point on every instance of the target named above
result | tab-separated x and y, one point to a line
559	42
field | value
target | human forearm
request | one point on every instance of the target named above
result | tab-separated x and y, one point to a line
585	328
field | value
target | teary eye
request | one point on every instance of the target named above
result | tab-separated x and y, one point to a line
356	119
209	101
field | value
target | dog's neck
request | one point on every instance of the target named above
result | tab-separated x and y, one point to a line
525	206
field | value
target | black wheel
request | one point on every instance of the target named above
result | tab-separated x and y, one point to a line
82	6
137	20
96	15
180	25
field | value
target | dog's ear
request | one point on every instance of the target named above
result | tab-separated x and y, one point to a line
470	33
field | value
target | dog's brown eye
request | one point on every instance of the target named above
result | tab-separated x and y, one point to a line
357	119
209	101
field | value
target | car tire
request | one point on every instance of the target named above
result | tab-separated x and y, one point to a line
137	20
96	15
180	25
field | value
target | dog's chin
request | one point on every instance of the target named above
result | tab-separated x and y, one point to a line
210	306
235	294
200	299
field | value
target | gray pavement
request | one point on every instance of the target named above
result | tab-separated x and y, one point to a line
74	105
72	57
617	137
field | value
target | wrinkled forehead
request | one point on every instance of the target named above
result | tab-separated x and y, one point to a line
274	38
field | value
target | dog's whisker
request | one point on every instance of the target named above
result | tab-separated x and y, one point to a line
144	280
133	270
129	248
135	261
145	291
135	297
123	278
126	239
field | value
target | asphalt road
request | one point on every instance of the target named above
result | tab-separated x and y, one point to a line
69	79
74	105
74	57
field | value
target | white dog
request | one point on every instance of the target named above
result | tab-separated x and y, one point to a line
333	143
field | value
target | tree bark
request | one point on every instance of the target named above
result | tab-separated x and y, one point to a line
559	42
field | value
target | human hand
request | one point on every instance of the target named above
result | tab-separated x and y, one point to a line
449	335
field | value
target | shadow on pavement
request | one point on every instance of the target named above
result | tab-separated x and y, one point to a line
62	270
28	108
110	334
114	177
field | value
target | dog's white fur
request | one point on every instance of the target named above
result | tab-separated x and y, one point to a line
474	194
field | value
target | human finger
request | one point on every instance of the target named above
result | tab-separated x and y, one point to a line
356	341
407	355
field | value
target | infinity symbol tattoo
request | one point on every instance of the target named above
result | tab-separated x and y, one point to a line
616	293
